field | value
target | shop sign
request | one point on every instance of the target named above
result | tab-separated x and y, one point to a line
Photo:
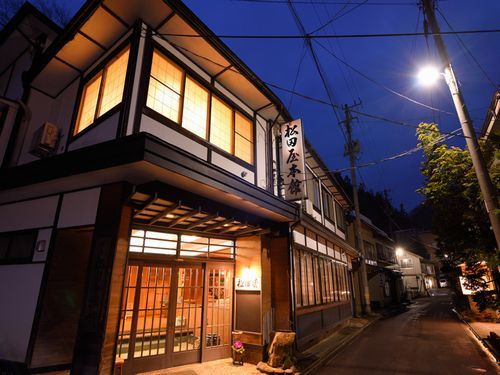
293	165
244	283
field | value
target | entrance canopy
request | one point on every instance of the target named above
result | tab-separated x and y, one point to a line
157	205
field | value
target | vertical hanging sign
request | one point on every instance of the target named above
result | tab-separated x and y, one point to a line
293	171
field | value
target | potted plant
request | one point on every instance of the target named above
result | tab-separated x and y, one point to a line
238	352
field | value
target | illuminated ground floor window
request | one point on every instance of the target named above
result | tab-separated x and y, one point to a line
318	279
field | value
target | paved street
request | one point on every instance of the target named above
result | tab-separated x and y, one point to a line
428	339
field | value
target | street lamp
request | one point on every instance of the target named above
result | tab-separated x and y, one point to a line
428	75
399	252
489	197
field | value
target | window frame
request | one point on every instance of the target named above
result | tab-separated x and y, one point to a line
212	91
312	191
339	217
328	205
92	75
20	260
328	276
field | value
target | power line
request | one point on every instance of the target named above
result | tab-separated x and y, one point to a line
381	85
338	15
400	155
396	122
326	2
330	36
296	78
316	62
460	40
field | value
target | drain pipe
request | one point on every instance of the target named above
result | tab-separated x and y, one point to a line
292	269
23	116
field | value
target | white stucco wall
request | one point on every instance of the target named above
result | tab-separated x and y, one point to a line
19	288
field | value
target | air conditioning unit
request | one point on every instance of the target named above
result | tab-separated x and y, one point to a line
45	140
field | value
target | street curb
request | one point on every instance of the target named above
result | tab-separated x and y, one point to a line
330	354
485	342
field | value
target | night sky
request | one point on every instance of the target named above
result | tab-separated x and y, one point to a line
381	64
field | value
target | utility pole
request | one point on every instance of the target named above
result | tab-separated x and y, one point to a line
487	189
352	148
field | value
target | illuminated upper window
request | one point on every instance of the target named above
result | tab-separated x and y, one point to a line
243	138
221	124
183	100
103	92
195	112
114	82
164	93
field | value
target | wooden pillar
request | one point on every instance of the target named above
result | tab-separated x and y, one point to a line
95	343
280	281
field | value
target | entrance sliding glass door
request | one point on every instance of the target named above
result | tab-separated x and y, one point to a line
174	314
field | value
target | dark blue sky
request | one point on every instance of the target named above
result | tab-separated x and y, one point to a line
391	62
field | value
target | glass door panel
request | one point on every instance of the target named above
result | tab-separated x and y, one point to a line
189	309
152	311
219	309
127	312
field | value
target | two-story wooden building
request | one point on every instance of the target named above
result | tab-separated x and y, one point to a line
142	219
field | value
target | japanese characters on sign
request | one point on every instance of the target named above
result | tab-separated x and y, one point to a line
243	283
293	167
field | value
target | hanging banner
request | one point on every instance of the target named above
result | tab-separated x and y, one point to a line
292	156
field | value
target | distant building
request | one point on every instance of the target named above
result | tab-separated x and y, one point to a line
384	280
418	274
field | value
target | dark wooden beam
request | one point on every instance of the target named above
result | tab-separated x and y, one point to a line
89	38
218	224
184	217
246	231
146	204
115	16
164	21
202	221
231	228
164	213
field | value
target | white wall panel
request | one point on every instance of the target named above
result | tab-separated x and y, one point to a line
62	113
330	226
173	137
261	147
79	208
233	167
35	213
103	132
19	288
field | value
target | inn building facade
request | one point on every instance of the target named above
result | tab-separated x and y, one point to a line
142	215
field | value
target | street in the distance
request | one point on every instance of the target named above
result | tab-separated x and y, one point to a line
427	339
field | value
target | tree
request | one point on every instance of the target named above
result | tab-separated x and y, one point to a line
460	220
53	9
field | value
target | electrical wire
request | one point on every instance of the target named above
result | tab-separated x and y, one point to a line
396	122
400	155
382	85
316	63
338	15
329	36
320	2
296	78
460	40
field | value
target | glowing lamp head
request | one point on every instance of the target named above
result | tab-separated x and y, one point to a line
399	251
428	75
